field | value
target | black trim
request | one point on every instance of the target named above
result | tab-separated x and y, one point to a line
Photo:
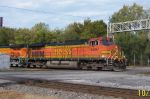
4	46
18	46
68	42
35	45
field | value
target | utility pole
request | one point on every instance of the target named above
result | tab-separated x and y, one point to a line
134	59
1	22
148	61
141	62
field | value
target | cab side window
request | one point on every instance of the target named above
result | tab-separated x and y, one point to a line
94	43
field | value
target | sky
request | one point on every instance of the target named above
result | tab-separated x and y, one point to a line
59	13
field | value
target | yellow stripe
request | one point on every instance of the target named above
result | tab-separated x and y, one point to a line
106	52
66	46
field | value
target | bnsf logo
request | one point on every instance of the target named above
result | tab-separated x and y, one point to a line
63	51
94	49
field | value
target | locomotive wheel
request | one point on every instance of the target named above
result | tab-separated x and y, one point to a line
16	65
34	66
28	66
94	68
84	68
118	67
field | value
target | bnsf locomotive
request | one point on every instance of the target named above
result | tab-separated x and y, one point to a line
95	54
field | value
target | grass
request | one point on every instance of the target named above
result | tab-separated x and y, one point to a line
147	73
17	95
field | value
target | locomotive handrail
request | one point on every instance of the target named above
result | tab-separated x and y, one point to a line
112	56
108	58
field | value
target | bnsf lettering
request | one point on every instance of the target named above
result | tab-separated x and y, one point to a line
94	49
63	51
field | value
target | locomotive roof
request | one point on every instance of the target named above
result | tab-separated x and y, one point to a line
4	46
18	46
68	42
37	45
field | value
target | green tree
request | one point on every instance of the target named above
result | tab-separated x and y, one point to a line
40	31
147	49
7	36
87	29
24	36
132	43
93	29
57	35
129	13
73	31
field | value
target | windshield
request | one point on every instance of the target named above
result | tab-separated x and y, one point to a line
107	42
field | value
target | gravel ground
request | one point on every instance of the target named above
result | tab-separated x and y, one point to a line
5	81
53	92
133	78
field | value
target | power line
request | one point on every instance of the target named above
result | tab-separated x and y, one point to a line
39	11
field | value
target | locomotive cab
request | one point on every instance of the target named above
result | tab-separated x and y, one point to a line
100	41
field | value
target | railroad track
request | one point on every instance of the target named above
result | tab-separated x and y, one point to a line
99	90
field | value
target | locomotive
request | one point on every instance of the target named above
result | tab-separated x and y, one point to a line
93	54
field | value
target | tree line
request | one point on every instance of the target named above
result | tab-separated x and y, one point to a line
41	33
135	44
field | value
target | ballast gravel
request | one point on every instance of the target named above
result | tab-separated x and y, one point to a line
60	94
